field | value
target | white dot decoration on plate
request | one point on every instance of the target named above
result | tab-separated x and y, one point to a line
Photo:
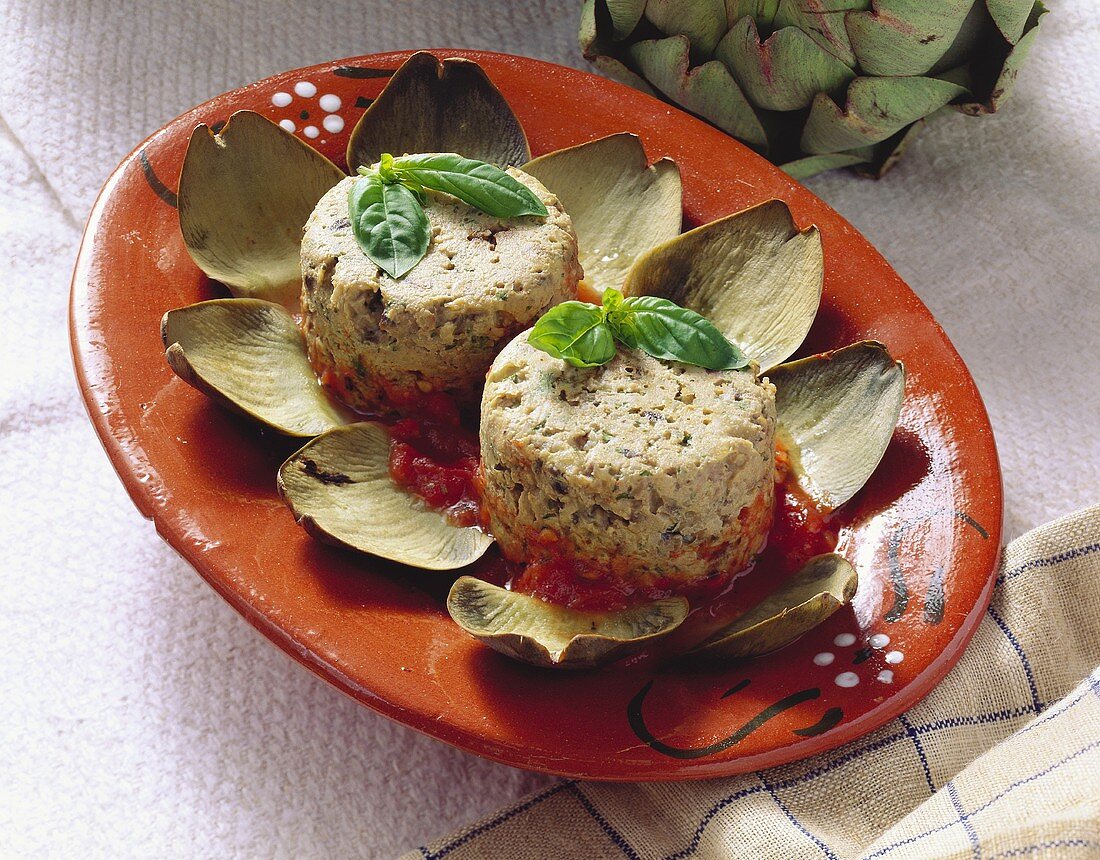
846	640
300	104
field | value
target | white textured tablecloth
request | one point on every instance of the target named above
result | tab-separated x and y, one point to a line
139	716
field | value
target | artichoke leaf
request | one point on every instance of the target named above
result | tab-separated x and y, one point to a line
707	90
837	412
702	21
244	195
248	355
753	274
433	106
340	490
804	168
876	108
905	37
595	50
621	205
1010	68
824	21
823	585
625	15
619	72
821	20
544	634
784	72
885	155
1014	18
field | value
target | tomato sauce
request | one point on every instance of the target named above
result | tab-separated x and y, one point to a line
436	456
558	576
586	293
799	531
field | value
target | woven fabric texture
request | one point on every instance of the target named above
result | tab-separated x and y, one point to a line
1001	760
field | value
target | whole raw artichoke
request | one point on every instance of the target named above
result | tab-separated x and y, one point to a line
815	84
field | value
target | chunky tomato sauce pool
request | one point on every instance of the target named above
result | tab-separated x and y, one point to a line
435	457
799	531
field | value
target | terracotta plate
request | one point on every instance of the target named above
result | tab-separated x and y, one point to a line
925	532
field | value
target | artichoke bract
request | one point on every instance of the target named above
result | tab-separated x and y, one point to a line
815	84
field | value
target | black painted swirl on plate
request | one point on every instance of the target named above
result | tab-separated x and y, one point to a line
935	596
828	720
159	188
362	72
637	723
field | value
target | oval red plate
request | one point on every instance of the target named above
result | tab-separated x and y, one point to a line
925	534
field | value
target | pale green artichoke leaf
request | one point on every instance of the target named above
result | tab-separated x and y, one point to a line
784	72
625	15
594	49
248	355
707	90
804	168
837	413
754	274
615	70
544	634
821	587
876	108
433	106
340	490
702	21
889	152
821	20
1013	17
244	196
621	205
905	37
1014	60
763	12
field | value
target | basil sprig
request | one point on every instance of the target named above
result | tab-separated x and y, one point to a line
386	203
583	334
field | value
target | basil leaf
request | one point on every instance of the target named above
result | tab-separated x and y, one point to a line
481	185
575	332
388	222
665	330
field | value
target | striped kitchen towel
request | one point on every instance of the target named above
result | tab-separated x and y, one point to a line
1001	760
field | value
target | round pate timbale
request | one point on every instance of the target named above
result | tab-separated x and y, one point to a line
379	342
651	470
